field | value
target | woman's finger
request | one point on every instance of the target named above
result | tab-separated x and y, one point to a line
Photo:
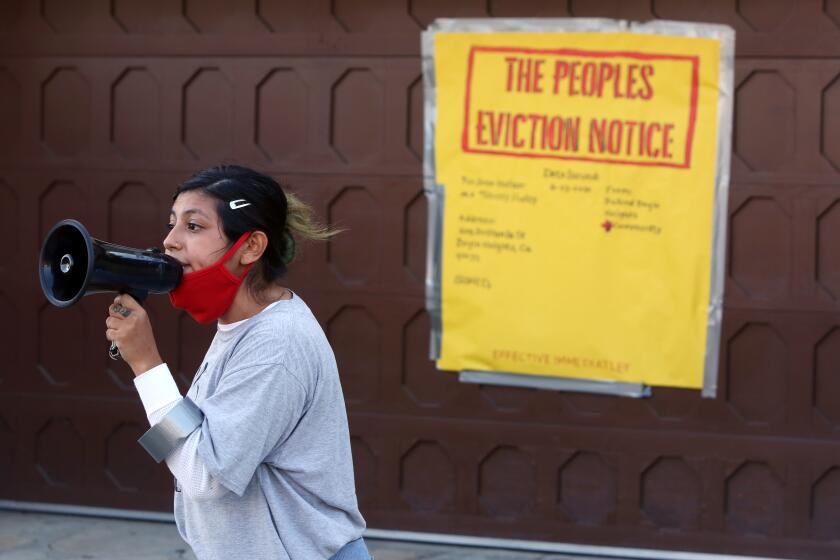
129	302
114	322
118	311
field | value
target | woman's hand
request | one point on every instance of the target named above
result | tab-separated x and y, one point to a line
128	325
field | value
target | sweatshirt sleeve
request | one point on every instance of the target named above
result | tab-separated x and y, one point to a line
159	394
253	409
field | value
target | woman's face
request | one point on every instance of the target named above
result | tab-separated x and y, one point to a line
195	232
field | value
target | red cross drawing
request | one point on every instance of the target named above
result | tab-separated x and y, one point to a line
607	225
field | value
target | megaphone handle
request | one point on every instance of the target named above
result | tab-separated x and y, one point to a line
140	296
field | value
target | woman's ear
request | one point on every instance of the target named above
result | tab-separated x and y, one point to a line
253	248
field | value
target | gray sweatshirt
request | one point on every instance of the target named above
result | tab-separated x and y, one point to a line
269	474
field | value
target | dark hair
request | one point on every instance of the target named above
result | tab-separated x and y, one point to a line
265	207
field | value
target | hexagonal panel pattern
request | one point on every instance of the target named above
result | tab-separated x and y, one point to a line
134	217
754	501
366	471
65	112
72	17
9	224
9	14
9	339
121	375
832	10
356	17
420	379
760	255
282	108
208	114
830	129
765	106
151	16
527	8
507	399
586	488
357	212
224	16
756	373
589	405
715	11
135	128
415	118
124	459
358	122
765	15
673	404
62	344
425	11
595	8
283	16
62	199
825	503
427	478
9	111
415	227
59	456
356	339
671	493
7	450
827	378
507	485
828	261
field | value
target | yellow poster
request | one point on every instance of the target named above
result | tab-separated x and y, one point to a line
581	178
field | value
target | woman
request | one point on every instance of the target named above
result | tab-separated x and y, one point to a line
266	472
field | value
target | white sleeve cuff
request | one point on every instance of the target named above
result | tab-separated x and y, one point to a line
157	388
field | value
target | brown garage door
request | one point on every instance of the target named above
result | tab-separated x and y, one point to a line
105	106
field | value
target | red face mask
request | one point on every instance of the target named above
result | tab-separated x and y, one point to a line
207	293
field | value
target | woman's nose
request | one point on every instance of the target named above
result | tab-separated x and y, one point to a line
170	242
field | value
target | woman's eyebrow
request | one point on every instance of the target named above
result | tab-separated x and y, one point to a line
189	211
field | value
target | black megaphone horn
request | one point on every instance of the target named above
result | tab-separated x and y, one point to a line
73	264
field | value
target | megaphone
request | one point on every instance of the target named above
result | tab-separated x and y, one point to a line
74	264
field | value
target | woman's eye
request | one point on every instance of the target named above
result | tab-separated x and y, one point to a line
170	226
193	227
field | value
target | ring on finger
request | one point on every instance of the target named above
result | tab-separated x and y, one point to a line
121	310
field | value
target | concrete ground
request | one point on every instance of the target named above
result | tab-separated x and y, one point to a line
39	536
